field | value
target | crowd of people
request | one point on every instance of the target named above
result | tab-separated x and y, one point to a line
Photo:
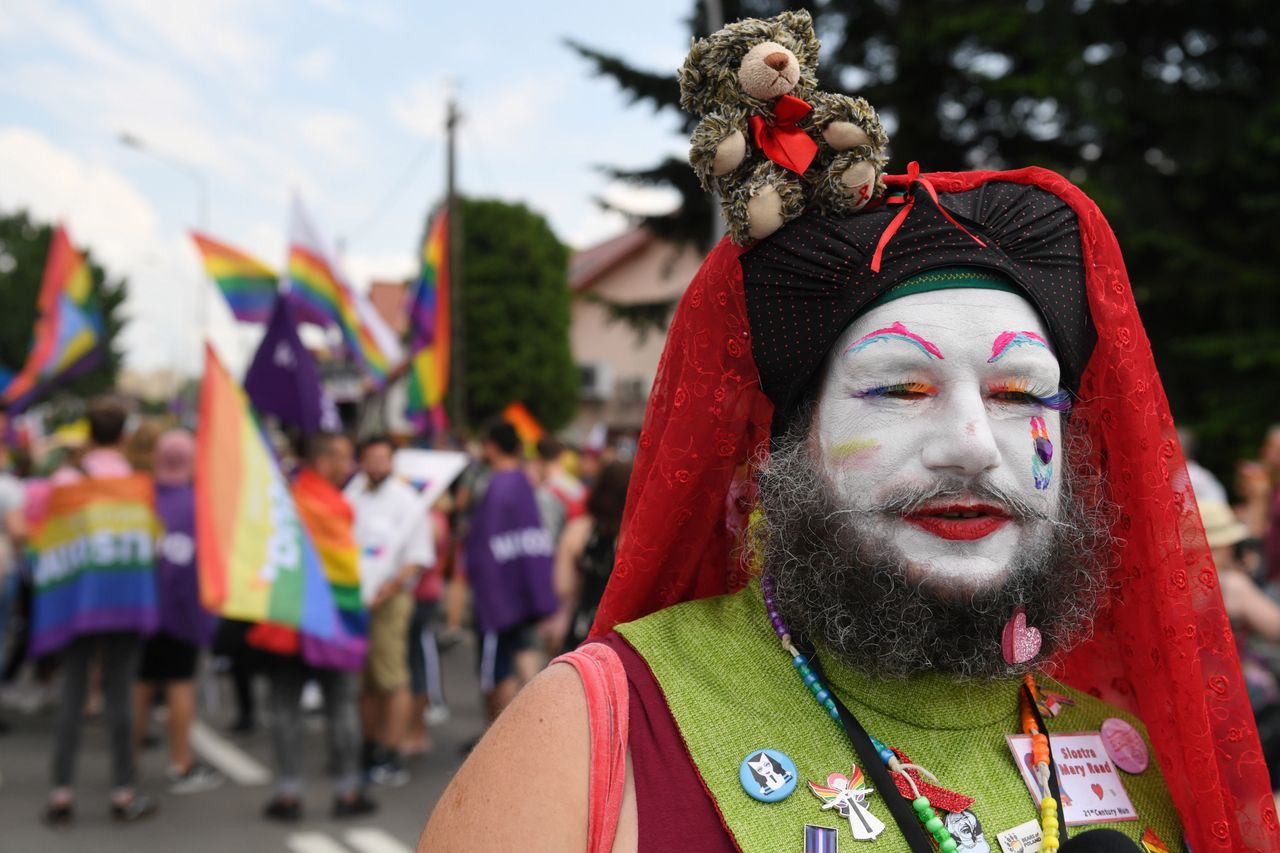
518	550
1244	536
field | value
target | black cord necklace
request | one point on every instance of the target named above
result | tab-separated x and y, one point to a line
877	759
867	752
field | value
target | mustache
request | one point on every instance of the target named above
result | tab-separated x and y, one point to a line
909	499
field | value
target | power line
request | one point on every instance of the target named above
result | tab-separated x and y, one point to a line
377	211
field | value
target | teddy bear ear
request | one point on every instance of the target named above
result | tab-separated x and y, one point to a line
798	22
800	25
690	76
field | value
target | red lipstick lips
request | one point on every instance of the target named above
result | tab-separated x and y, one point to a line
959	522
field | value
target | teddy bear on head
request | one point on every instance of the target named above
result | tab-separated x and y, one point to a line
770	142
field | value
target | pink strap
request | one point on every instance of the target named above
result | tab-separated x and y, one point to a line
605	683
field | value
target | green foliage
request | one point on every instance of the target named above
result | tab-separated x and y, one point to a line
515	301
1164	112
24	246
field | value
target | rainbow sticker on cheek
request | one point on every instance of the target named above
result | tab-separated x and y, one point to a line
846	450
1042	458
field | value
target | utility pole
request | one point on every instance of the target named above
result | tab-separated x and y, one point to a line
457	337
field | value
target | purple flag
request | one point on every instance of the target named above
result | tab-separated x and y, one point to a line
178	586
283	379
508	554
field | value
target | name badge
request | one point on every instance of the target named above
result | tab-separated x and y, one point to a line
1091	788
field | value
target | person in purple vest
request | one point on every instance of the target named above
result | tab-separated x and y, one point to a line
169	656
508	557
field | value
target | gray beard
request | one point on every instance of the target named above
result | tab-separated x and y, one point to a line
838	582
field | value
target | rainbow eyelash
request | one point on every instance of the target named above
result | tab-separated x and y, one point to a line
1057	401
901	388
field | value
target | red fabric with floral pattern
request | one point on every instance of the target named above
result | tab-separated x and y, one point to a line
1162	647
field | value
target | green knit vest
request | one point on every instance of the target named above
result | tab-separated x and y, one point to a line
732	690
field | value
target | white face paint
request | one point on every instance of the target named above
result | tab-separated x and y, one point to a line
945	386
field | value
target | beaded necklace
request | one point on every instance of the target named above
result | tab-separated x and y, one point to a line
924	811
1042	758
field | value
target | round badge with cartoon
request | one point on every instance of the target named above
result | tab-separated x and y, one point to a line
768	775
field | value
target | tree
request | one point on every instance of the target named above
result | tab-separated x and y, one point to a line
515	305
24	246
1161	110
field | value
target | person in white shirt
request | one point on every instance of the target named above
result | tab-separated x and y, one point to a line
395	544
1204	485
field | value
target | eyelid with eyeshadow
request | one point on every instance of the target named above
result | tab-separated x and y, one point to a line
1057	400
898	388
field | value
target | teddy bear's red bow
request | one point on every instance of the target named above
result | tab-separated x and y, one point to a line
781	140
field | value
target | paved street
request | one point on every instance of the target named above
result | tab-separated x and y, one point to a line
226	819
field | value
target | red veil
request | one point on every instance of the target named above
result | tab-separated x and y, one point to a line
1162	647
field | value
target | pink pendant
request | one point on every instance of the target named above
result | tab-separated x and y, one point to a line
1019	642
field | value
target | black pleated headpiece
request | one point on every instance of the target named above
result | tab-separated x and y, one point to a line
810	279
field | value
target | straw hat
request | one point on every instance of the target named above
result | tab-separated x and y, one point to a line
1221	527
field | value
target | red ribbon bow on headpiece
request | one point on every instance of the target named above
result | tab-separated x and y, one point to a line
908	202
781	140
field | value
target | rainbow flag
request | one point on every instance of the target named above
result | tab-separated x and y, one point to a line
249	285
323	297
69	332
94	568
257	562
527	426
330	520
429	336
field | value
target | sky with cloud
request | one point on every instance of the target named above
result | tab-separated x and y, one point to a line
339	101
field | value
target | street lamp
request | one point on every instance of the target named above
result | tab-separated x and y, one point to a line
196	174
191	170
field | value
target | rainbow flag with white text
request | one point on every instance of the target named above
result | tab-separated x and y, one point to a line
257	563
248	285
69	333
94	567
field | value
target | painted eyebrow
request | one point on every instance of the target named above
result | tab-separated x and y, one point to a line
896	332
1006	341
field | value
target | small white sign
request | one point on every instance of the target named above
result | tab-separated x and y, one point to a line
1023	838
1091	788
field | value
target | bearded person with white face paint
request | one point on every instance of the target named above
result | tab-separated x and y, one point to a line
910	527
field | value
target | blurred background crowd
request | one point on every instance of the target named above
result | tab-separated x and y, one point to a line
561	505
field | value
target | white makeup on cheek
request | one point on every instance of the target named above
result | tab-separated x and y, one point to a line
917	380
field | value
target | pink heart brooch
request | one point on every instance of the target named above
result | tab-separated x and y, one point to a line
1019	642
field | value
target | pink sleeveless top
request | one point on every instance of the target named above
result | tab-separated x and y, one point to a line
627	711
